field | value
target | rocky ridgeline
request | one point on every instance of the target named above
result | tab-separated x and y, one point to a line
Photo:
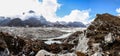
101	38
104	36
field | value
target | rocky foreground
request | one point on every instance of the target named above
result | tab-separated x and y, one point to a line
19	46
101	38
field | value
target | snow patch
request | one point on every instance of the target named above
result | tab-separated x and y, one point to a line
51	42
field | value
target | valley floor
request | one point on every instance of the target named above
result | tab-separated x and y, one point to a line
42	33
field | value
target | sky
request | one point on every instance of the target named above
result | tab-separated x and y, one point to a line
96	6
60	10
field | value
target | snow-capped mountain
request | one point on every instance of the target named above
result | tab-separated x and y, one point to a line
33	20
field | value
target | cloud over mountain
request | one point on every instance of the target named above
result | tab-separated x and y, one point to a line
77	15
47	8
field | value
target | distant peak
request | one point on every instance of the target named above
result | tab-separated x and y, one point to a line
31	11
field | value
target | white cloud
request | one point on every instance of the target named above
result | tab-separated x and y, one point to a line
77	15
47	8
118	10
13	7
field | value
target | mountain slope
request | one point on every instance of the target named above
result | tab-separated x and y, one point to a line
101	38
15	22
104	35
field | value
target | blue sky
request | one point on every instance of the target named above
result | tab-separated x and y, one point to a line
96	6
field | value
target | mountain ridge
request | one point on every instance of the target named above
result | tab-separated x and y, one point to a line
40	21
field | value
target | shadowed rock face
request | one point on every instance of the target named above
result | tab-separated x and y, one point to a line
104	35
61	48
11	43
3	48
8	41
15	22
18	45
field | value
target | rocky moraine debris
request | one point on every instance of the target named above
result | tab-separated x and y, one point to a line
101	38
14	45
104	36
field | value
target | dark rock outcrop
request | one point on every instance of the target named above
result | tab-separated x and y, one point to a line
73	38
60	48
104	35
19	46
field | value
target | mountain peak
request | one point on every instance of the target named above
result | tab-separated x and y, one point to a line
107	18
31	11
